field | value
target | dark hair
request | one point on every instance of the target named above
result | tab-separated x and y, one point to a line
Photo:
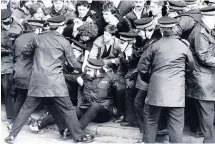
34	8
168	31
88	29
81	3
54	27
109	6
111	29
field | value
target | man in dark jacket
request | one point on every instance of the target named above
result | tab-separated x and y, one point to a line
163	65
9	32
201	82
47	80
23	65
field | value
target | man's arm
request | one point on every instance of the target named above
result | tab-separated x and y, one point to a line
30	47
71	57
202	49
144	64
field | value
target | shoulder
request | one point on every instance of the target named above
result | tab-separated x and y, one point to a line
129	15
184	42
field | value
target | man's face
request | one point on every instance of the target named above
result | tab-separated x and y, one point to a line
107	16
107	37
146	33
28	4
84	38
58	5
90	72
139	4
123	45
82	11
39	14
155	9
6	24
14	4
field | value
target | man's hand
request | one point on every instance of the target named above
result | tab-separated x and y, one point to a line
80	81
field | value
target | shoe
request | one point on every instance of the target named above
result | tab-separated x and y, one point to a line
9	139
9	125
139	142
35	128
129	124
66	134
162	132
198	134
31	120
86	139
119	120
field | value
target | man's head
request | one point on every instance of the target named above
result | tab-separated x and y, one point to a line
145	27
82	8
127	39
14	4
156	7
6	19
37	11
108	11
88	31
139	4
93	67
208	16
35	26
58	4
176	8
168	26
26	3
109	33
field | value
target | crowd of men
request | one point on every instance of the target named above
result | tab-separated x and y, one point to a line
82	61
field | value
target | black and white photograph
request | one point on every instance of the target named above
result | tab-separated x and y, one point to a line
107	71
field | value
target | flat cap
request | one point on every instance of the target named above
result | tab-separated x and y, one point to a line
191	2
77	45
143	23
57	20
95	63
210	11
167	22
5	14
177	5
39	23
127	36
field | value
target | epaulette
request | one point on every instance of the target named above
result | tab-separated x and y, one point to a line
185	42
153	40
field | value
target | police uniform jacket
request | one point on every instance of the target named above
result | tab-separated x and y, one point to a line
22	63
99	90
163	66
7	39
50	50
201	82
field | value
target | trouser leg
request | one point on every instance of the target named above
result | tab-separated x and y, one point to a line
151	119
120	96
27	109
71	120
20	99
73	92
90	114
6	81
206	118
103	115
130	95
176	124
139	105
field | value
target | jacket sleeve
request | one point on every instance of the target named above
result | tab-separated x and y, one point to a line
144	64
30	47
190	61
203	51
95	50
71	57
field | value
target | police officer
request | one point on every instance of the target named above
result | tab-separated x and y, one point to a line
47	80
163	66
23	64
10	30
201	81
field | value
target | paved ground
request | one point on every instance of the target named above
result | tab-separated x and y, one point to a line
105	133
